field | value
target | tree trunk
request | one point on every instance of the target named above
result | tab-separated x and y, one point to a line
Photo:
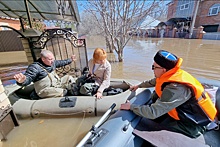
109	45
120	55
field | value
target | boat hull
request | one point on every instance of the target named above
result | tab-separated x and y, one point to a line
119	129
120	126
52	107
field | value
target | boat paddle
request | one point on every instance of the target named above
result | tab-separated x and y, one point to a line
94	127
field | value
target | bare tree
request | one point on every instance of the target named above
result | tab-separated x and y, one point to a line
115	18
88	25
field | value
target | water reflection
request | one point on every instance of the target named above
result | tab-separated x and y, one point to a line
200	58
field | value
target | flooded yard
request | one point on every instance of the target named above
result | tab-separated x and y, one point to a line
200	58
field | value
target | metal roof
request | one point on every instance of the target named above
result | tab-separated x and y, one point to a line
149	23
64	10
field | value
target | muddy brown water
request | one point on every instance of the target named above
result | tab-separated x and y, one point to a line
200	58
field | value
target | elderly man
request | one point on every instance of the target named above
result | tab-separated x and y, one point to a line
180	103
47	83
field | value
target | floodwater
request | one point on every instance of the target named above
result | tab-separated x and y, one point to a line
200	58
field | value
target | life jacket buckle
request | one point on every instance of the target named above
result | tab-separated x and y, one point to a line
203	95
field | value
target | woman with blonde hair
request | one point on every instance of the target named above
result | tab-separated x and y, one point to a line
100	70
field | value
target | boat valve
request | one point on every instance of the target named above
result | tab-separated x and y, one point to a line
36	112
125	128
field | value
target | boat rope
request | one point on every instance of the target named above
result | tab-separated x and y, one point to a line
37	112
80	125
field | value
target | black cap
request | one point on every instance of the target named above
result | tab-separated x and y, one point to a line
165	59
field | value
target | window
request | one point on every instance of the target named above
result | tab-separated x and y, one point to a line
213	11
184	6
181	7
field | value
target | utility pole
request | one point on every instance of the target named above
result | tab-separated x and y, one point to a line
194	19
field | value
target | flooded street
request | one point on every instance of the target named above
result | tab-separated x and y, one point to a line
200	58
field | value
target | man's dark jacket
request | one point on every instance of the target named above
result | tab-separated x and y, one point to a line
36	72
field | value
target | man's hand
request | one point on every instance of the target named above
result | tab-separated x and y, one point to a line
73	57
125	106
20	78
134	88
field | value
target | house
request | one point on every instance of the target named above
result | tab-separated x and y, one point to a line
24	19
148	25
11	22
205	12
209	16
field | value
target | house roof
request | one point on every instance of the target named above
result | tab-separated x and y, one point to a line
40	9
179	19
149	23
173	21
167	23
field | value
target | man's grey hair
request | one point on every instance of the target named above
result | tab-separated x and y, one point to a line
45	53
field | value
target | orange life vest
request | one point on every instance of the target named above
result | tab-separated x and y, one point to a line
178	75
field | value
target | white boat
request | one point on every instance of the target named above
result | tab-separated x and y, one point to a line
66	106
119	129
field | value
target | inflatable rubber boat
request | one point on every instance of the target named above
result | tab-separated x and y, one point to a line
24	107
118	129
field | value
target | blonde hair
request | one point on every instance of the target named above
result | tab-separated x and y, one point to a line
99	54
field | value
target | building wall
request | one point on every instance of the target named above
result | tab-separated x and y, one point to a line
174	10
171	10
187	12
10	22
204	18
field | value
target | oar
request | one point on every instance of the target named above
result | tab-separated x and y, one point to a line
94	127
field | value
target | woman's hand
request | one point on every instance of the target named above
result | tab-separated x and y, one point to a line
98	95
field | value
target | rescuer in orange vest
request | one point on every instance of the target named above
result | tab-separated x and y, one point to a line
179	103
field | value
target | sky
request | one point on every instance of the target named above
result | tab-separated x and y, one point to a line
82	2
79	4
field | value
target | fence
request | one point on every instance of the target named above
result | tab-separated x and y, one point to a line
9	41
63	44
211	36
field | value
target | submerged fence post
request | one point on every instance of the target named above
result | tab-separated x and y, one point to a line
200	32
